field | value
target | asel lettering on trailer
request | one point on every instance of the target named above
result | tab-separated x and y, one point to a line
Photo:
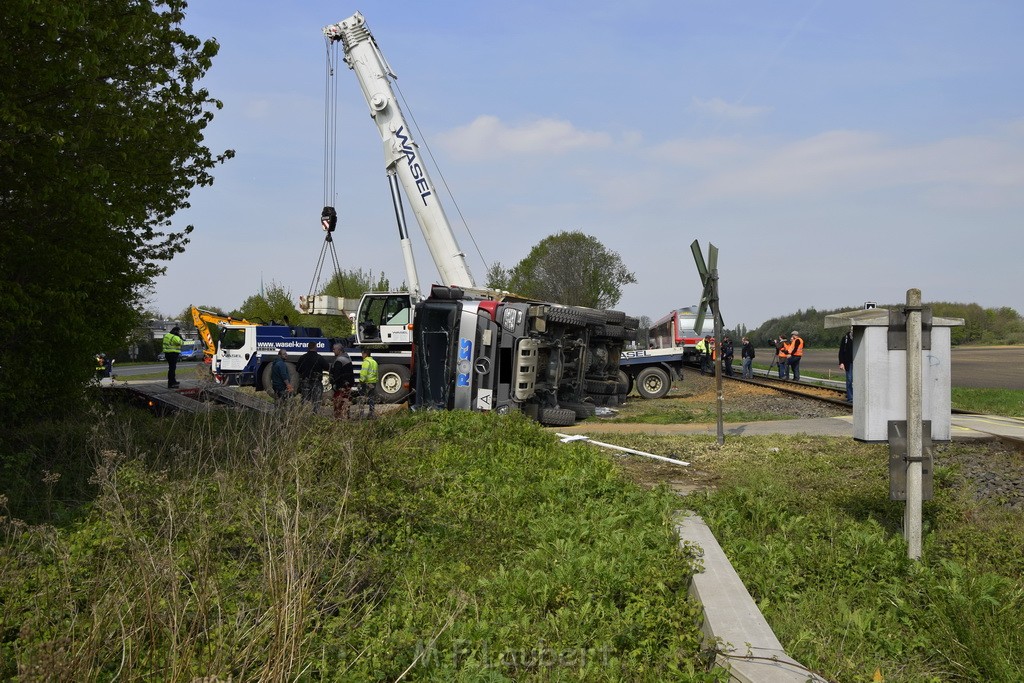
465	353
414	167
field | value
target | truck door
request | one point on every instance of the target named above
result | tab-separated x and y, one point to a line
236	348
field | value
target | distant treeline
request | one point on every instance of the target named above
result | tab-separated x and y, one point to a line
986	326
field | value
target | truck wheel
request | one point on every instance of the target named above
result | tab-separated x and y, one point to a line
614	317
556	417
590	316
625	382
600	386
653	383
582	410
565	316
391	383
610	331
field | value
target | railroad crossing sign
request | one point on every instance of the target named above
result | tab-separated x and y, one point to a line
709	278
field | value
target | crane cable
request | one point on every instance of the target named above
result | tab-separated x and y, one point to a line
329	216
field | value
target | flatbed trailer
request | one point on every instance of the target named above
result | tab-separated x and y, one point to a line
194	400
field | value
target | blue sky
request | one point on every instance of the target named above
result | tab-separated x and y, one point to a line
835	153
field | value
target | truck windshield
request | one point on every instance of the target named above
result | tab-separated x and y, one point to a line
435	333
232	338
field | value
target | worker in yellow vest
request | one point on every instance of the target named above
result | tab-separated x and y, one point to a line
368	379
172	349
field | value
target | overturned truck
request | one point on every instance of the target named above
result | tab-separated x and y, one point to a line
554	363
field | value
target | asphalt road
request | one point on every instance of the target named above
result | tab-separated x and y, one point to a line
983	367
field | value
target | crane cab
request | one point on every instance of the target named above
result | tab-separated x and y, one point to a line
385	318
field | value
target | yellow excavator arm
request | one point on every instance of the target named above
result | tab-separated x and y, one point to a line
203	319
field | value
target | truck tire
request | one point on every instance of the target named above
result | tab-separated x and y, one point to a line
565	316
600	386
392	383
582	410
625	382
653	383
614	317
293	374
556	417
590	316
631	323
610	331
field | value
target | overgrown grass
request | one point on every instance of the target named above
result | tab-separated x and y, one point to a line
1008	402
808	525
443	546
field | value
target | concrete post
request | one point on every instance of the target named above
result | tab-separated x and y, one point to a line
912	513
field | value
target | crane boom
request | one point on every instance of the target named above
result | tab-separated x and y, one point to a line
401	152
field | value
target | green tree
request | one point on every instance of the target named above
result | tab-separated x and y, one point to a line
643	332
574	269
274	304
353	283
498	276
101	142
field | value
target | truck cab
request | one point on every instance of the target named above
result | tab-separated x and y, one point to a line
553	363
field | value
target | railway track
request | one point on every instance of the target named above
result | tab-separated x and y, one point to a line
812	391
816	392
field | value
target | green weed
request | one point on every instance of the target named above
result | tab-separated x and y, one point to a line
1009	402
440	546
809	527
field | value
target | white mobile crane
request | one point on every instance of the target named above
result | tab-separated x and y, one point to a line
401	154
381	318
484	351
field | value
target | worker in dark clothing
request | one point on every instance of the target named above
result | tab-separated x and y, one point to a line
311	367
747	354
727	356
343	378
172	349
846	362
281	377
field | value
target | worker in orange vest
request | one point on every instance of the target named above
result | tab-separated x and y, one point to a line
796	352
782	348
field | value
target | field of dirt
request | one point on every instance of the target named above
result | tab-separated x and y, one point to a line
980	367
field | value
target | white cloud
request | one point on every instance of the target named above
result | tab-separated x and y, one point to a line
985	168
488	135
719	108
